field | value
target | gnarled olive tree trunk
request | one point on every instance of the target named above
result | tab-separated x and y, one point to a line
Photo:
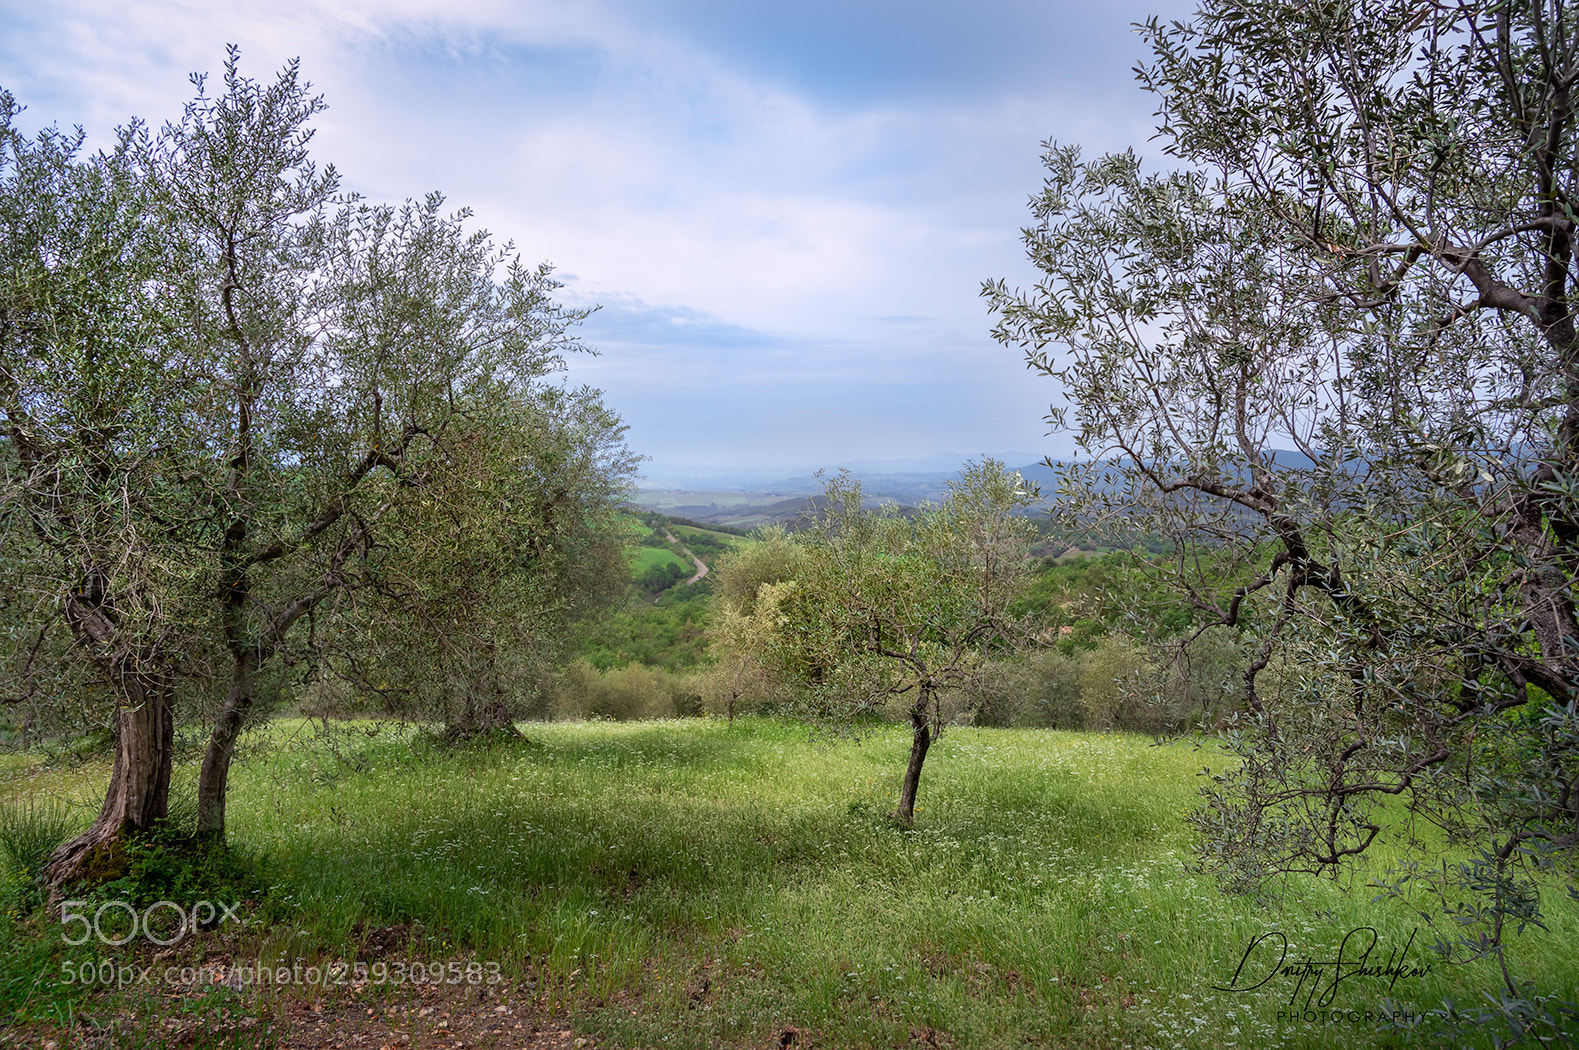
139	790
484	708
484	715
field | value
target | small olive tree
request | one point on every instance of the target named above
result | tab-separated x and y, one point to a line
751	574
879	604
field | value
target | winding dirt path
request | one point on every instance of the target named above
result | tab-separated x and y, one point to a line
701	568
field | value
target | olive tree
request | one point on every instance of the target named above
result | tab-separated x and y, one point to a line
351	342
877	604
224	382
518	535
90	377
1333	357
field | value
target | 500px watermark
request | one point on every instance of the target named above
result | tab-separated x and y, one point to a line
400	972
162	922
261	974
112	973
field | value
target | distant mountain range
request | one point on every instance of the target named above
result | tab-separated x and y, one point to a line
750	498
800	479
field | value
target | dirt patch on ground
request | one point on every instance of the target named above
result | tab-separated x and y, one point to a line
441	1015
431	1016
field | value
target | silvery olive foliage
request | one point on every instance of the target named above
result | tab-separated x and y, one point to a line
1332	357
864	606
233	395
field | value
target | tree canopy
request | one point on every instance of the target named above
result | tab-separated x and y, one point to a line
863	606
230	391
517	536
1336	350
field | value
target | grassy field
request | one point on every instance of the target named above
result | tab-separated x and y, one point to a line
688	884
688	533
658	557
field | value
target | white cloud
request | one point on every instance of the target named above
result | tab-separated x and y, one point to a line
776	228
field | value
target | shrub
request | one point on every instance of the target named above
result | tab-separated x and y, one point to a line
1202	682
625	693
1111	686
1117	687
1042	692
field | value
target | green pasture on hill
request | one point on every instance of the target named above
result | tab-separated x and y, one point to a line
687	533
688	883
658	557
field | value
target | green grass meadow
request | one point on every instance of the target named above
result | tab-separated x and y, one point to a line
692	884
658	558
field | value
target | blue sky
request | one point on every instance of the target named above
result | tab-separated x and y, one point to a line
785	211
